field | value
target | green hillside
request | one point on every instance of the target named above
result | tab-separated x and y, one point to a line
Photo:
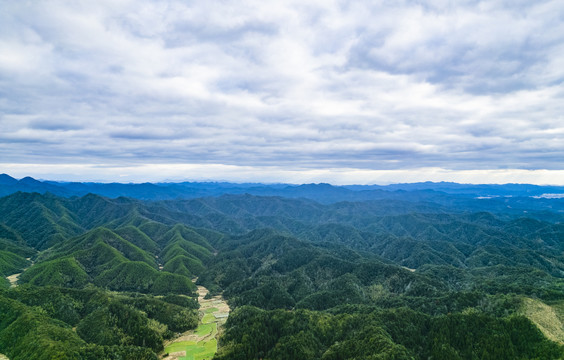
113	278
548	318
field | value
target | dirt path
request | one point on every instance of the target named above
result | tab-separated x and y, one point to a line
200	343
3	357
13	279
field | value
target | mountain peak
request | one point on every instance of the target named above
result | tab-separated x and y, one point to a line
6	179
28	180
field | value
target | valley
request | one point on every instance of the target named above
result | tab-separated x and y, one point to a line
13	279
279	277
281	180
200	343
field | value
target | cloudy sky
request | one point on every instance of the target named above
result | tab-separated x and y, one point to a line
289	91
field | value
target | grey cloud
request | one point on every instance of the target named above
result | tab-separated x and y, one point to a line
25	140
55	125
186	33
147	134
316	85
492	51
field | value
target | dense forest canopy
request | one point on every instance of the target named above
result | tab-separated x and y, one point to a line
412	271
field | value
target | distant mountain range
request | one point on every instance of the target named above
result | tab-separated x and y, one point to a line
323	193
507	200
406	271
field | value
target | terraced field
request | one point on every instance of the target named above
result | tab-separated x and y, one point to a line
200	344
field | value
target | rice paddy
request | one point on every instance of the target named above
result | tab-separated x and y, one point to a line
201	343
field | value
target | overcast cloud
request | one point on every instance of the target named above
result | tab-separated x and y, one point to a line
321	89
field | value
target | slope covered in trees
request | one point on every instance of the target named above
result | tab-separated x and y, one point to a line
59	323
414	276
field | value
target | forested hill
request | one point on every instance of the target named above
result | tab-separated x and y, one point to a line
413	274
512	198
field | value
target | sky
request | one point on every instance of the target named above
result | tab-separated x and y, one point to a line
346	92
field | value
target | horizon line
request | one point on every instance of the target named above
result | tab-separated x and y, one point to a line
271	175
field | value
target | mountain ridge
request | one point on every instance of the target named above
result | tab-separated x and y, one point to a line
323	192
417	273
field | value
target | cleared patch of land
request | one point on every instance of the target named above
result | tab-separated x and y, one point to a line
3	357
201	343
548	318
13	279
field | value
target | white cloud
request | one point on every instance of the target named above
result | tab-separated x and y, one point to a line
326	84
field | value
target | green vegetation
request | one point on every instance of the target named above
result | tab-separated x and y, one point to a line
103	257
112	278
132	325
549	319
206	329
140	277
394	334
208	318
202	342
203	350
11	263
60	272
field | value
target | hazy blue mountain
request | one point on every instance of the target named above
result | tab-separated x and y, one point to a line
7	180
482	190
510	198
